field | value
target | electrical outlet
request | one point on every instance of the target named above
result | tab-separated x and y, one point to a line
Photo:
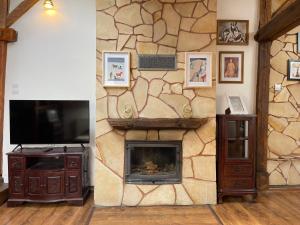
278	87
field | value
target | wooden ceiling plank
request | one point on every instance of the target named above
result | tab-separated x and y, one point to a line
19	11
3	12
284	21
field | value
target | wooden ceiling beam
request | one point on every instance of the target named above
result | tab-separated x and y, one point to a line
19	11
280	24
3	12
8	35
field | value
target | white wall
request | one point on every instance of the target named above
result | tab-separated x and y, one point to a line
240	10
54	58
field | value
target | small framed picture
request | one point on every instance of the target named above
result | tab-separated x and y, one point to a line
198	69
232	32
293	70
231	67
236	105
116	69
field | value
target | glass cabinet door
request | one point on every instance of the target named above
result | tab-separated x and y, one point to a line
237	139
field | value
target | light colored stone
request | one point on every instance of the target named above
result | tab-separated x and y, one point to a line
207	92
279	124
210	148
121	3
295	91
169	40
182	198
160	30
157	16
187	168
282	96
101	109
187	23
212	5
106	45
276	47
147	188
294	30
111	148
145	30
163	195
124	100
152	6
275	78
123	38
146	48
288	47
205	167
185	9
203	107
196	41
140	92
136	135
272	165
288	82
147	17
201	192
293	130
276	178
200	10
107	29
131	42
152	135
156	108
189	94
172	135
155	88
291	39
104	4
284	167
142	38
132	195
192	144
100	91
293	177
281	144
166	89
150	75
175	101
174	76
108	186
129	15
206	24
124	29
166	50
112	10
172	19
102	127
284	109
276	4
207	132
279	62
176	88
112	107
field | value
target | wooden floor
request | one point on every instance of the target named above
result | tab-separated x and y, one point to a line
271	208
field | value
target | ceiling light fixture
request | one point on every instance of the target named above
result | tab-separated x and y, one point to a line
48	4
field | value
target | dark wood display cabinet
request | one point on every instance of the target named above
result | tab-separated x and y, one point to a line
236	146
48	175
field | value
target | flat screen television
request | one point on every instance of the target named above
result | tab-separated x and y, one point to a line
49	122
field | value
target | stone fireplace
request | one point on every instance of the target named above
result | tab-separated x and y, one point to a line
153	162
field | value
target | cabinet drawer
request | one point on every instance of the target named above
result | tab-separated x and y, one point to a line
73	162
238	170
16	163
238	183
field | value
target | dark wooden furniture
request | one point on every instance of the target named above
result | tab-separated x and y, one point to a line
48	175
236	146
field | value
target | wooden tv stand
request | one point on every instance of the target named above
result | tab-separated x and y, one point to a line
48	175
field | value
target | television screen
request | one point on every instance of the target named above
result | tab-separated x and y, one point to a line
49	122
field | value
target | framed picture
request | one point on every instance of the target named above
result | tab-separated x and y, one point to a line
198	69
231	67
298	42
232	32
293	70
236	105
116	69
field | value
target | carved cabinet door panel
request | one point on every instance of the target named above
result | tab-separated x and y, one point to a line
54	184
73	184
16	184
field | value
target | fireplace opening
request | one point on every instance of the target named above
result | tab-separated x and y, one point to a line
153	162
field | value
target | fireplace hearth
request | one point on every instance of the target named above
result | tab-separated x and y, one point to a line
153	162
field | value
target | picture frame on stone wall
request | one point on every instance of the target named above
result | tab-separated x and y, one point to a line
231	67
115	69
198	69
293	70
232	32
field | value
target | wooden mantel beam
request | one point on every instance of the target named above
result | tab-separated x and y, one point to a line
19	11
283	22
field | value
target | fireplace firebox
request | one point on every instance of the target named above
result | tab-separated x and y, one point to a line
153	162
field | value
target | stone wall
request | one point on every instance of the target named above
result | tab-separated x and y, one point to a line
150	27
284	115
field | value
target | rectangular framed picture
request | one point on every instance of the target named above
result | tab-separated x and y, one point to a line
232	32
236	105
116	69
293	70
231	67
198	69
